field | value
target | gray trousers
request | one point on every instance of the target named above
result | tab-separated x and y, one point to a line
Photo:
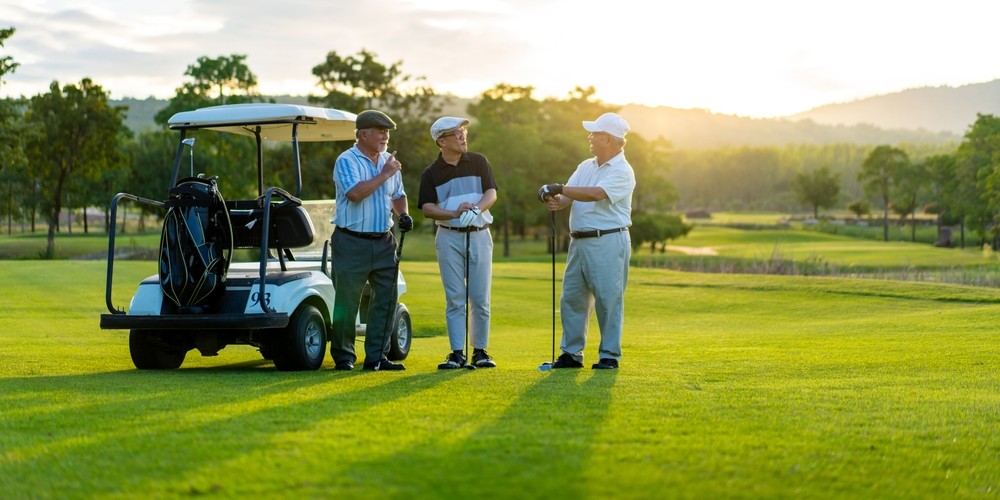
450	247
595	278
355	262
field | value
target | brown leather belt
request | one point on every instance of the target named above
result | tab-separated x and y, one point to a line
598	233
367	236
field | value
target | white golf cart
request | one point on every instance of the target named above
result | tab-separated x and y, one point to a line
283	304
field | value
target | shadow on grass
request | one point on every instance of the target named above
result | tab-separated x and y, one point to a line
126	432
540	446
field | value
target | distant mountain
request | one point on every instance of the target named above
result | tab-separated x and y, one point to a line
948	109
139	116
918	116
698	128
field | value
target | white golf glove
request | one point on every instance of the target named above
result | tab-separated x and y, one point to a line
468	216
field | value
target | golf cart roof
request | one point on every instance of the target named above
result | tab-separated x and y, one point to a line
274	121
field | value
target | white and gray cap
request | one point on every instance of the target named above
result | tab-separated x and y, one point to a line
446	124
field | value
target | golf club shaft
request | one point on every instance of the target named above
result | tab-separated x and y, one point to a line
552	215
468	359
391	313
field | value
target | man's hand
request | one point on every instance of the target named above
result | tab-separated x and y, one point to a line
391	166
468	216
405	222
549	191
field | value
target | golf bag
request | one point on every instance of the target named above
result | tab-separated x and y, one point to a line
196	244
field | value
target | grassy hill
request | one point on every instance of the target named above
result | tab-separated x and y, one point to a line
944	109
697	128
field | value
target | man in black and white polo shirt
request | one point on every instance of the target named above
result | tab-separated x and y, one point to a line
457	191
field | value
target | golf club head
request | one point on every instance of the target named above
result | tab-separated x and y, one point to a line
545	367
470	367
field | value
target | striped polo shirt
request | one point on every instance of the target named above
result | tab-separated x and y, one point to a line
374	213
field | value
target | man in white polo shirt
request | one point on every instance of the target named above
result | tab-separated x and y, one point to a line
600	196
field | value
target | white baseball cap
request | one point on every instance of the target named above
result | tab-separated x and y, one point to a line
446	124
609	123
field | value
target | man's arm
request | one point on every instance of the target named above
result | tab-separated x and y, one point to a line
488	199
433	211
364	189
584	193
400	206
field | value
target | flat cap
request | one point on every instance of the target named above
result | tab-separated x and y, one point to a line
373	119
446	124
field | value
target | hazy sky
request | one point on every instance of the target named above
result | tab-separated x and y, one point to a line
747	57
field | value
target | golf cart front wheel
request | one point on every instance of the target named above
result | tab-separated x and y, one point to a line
402	334
302	344
153	350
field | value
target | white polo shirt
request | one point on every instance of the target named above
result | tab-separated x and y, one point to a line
617	179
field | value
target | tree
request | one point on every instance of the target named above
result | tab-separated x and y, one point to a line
978	173
358	82
909	184
817	189
217	81
78	137
151	156
10	131
509	128
860	207
656	229
13	167
653	189
942	184
877	173
211	80
7	64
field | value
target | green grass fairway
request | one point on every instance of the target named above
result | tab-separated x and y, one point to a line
844	251
729	250
730	386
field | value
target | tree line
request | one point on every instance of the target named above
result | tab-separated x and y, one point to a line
957	184
68	148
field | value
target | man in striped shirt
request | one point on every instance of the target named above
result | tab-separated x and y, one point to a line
369	190
457	191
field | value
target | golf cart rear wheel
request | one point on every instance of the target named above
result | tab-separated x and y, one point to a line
151	350
402	334
302	344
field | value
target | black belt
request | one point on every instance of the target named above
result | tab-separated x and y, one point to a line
598	233
367	236
467	229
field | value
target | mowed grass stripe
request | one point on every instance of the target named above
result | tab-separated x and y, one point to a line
730	385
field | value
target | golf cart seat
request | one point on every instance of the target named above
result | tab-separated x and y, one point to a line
290	224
